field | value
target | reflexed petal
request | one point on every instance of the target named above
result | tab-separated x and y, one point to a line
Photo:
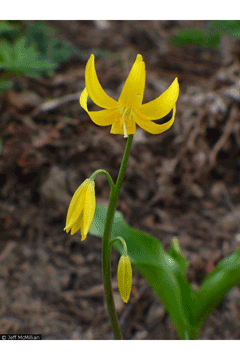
76	205
150	126
132	92
105	117
160	107
83	99
95	90
89	210
101	117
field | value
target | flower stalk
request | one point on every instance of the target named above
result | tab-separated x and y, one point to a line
106	246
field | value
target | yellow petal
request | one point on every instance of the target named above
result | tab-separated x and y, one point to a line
124	276
83	99
89	209
76	205
132	92
105	117
101	117
160	107
130	126
77	225
150	126
95	90
117	127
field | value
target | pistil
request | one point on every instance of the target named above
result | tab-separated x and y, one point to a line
126	114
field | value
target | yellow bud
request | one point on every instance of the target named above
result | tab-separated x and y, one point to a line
124	276
81	209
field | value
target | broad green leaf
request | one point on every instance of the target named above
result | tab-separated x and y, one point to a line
160	269
174	291
217	284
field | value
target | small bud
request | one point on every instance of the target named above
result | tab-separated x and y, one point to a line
124	276
176	244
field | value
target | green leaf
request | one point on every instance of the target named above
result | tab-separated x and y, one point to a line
194	36
175	252
18	59
36	52
61	51
228	27
37	34
160	269
7	28
29	61
217	284
48	45
6	54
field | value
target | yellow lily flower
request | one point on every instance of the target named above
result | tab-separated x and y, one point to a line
81	209
128	111
124	276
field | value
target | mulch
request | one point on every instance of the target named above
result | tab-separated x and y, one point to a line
51	282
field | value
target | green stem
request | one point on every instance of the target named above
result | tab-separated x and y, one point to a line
101	171
106	249
123	244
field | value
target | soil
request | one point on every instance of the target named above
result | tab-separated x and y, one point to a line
50	281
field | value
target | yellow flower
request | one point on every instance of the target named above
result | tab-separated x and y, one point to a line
81	209
124	276
128	111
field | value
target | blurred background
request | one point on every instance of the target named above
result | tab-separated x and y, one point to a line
50	281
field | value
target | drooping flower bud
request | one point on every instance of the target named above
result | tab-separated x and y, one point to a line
81	209
124	276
